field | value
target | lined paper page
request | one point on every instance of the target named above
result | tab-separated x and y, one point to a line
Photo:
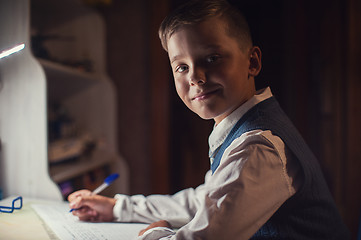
67	226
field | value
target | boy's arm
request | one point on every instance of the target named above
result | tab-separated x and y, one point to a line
249	186
177	209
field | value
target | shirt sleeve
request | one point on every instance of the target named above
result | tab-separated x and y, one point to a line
177	209
252	181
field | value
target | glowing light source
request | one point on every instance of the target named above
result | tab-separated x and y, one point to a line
12	50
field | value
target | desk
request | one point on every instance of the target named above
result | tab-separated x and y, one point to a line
26	223
23	224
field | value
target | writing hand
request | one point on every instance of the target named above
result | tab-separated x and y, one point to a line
161	223
95	208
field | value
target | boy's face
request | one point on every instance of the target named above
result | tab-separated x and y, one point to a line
212	74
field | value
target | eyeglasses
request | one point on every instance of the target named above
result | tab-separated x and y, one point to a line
17	204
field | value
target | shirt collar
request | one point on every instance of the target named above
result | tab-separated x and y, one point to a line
221	131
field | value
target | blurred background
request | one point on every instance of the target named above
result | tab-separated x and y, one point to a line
311	60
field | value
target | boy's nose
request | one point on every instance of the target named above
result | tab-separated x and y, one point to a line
197	77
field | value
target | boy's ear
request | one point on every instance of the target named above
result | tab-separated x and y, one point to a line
255	63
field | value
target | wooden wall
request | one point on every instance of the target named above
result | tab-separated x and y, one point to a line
351	124
127	40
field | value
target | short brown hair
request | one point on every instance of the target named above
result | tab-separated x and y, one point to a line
196	11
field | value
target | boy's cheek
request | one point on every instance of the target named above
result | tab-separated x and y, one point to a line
181	90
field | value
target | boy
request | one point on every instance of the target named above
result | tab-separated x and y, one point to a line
264	182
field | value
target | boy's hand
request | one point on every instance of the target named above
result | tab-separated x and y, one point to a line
93	208
161	223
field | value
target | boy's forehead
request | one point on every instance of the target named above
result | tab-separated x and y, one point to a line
209	34
205	30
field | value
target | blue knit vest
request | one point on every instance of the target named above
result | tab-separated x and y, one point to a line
311	212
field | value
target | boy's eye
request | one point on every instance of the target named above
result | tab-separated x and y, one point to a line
181	68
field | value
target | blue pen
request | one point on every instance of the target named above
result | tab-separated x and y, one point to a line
111	178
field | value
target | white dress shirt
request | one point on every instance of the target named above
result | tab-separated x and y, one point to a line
255	177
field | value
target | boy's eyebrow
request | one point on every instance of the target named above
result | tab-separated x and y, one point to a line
215	47
176	57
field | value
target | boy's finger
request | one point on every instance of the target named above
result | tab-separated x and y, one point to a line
75	203
143	231
85	214
83	201
76	194
88	201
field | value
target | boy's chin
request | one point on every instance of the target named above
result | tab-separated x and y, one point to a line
216	117
205	116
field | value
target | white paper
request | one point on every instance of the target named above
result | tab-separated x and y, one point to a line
66	226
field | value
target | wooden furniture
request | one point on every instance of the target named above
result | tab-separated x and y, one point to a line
68	70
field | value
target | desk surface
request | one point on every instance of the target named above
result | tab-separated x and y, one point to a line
26	223
23	223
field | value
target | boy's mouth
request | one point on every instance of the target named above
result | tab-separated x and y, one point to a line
205	94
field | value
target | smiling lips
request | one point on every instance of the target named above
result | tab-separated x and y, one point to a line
204	95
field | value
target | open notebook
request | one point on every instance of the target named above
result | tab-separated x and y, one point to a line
66	226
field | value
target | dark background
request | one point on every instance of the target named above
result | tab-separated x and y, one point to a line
311	60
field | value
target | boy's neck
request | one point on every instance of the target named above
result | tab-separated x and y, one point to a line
250	94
